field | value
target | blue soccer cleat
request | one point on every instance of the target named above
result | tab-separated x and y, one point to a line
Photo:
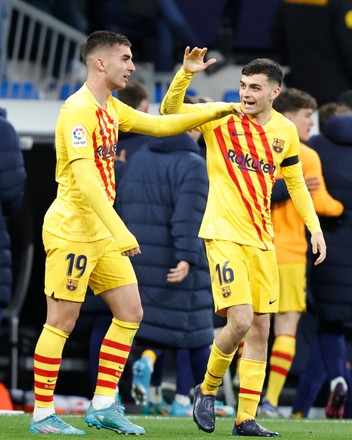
112	418
141	381
203	410
178	410
266	409
223	410
119	404
156	409
53	425
251	428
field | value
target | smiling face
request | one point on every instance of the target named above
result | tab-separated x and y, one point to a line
257	95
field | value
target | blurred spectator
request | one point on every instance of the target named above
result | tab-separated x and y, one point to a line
331	286
12	181
256	39
171	199
291	246
182	23
315	37
134	18
160	29
325	112
73	13
162	197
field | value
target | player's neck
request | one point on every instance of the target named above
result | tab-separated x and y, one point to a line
99	91
261	118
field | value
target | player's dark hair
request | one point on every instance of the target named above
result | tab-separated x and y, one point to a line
102	38
345	100
326	111
133	94
292	100
266	66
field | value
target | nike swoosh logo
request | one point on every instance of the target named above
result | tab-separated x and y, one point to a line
51	380
237	134
272	301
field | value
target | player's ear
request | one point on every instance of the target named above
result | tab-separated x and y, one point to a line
276	92
100	65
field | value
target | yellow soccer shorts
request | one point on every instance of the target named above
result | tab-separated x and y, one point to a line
71	266
293	285
242	275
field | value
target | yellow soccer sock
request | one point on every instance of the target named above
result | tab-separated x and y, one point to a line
114	351
218	364
47	361
281	359
252	375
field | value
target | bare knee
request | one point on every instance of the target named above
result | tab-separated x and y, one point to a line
239	320
62	314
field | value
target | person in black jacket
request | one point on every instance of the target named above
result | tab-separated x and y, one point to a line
12	184
162	196
314	36
331	286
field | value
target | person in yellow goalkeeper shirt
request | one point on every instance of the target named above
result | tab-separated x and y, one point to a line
244	154
85	241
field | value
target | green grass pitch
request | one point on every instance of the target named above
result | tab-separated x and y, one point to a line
15	427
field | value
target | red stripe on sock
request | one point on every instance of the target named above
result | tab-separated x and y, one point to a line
42	398
44	386
106	384
212	375
112	358
45	373
279	370
107	370
248	391
47	360
281	355
117	345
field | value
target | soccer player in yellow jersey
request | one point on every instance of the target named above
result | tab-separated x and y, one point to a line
291	246
243	157
85	240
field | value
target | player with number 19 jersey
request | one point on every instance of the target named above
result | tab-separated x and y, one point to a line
85	131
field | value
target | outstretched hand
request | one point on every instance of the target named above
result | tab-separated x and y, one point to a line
193	60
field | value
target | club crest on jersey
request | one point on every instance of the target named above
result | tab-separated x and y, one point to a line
79	137
226	291
71	284
278	145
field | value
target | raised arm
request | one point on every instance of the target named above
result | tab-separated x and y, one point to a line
193	62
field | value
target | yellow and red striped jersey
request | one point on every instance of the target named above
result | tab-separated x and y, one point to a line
89	132
85	131
243	159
